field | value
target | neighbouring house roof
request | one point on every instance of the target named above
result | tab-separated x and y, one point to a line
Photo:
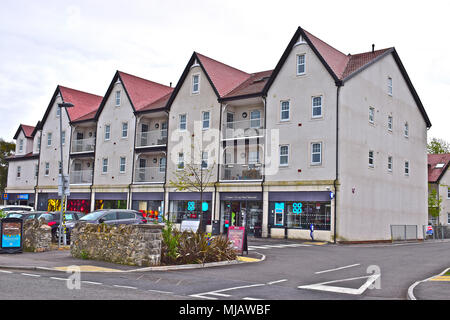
144	95
27	131
28	156
252	86
435	173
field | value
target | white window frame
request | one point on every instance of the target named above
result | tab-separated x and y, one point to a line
180	161
284	155
180	122
406	130
448	218
19	171
315	107
208	120
59	167
122	164
58	111
390	123
105	165
283	110
315	163
162	164
39	144
253	157
47	169
49	139
390	163
298	64
63	137
371	158
107	126
371	115
118	98
255	119
20	145
195	76
204	160
390	86
448	193
124	130
407	168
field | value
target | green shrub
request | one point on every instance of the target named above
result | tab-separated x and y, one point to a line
2	214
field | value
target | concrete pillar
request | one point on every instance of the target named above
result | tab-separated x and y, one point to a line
217	206
92	201
265	218
166	205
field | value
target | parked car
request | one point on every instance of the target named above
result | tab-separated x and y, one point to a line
15	208
108	216
21	214
54	219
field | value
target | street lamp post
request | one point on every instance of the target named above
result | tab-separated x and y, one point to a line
63	186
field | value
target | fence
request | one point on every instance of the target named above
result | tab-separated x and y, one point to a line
404	232
439	232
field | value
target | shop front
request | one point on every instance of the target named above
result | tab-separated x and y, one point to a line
151	204
48	202
79	201
291	211
22	199
243	210
110	200
188	206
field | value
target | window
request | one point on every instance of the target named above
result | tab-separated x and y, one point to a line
59	167
316	107
117	98
19	169
316	153
182	124
253	157
448	193
38	144
180	165
255	119
124	129
123	215
390	164
196	83
301	64
204	160
20	145
47	168
284	116
406	168
389	83
36	170
390	125
122	164
162	164
371	115
284	156
406	131
371	160
107	132
448	218
58	111
63	137
49	139
206	117
105	165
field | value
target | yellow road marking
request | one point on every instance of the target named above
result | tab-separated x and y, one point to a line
247	259
316	243
88	269
441	278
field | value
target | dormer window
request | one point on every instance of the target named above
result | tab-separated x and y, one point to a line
440	165
196	83
20	145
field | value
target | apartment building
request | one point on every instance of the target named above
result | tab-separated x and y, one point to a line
325	138
439	180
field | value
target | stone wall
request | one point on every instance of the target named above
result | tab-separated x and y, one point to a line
136	245
37	235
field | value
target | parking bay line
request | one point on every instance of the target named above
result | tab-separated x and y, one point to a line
30	275
336	269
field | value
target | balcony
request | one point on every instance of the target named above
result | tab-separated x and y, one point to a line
154	138
252	128
81	177
241	172
83	145
150	175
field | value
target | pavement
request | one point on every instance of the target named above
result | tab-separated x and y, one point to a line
434	288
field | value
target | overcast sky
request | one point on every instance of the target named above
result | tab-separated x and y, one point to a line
80	44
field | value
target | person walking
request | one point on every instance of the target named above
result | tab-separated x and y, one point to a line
311	228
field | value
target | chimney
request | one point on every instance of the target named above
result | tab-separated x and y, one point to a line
171	84
373	48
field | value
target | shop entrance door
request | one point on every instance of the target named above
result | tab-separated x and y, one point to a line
246	214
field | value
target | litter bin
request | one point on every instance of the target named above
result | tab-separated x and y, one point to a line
215	228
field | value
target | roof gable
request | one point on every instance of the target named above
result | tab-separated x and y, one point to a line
435	174
27	131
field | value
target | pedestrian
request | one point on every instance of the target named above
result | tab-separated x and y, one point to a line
311	228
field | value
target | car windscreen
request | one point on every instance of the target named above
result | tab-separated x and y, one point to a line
46	216
15	215
92	216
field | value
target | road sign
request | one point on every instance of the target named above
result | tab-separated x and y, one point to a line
66	186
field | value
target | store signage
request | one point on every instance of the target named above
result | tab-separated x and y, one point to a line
22	197
279	213
11	235
205	206
5	196
189	225
238	238
191	206
297	207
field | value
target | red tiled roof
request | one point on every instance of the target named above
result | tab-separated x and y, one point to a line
158	104
433	159
84	103
253	85
357	61
28	130
142	92
27	156
224	77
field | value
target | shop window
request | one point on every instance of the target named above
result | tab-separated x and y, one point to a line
110	204
300	215
54	205
190	210
83	206
152	210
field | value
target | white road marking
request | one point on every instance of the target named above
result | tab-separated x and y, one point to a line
324	287
278	281
336	269
248	298
30	275
91	282
55	278
159	291
125	287
217	292
269	246
5	271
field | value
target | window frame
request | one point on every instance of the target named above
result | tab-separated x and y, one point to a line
371	158
124	130
287	155
179	168
371	115
124	164
107	126
180	122
63	137
406	130
390	86
390	123
314	153
46	169
288	110
315	107
49	139
298	64
18	172
105	165
20	145
407	168
390	163
194	76
118	98
203	120
161	167
204	160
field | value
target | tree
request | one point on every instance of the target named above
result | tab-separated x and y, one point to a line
6	150
438	146
195	177
434	204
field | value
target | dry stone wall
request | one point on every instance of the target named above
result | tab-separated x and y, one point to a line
136	245
37	235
